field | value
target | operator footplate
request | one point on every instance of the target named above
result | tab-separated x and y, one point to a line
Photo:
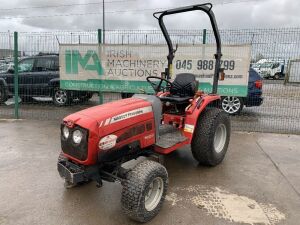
169	136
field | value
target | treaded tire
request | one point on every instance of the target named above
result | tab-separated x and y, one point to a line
136	187
202	145
3	96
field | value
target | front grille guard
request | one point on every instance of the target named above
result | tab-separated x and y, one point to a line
78	151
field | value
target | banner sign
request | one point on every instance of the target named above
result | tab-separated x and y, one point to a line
124	68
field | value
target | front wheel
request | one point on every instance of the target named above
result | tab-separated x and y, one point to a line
232	105
61	97
211	138
144	190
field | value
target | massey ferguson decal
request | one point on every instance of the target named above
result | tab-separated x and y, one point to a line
131	114
108	142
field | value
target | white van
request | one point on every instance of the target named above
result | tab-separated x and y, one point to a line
269	69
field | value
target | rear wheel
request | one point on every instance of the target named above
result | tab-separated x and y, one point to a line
3	96
144	190
61	97
232	105
211	137
87	97
276	76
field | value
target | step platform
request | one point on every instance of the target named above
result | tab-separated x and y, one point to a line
169	136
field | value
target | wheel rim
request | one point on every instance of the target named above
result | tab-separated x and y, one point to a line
220	138
60	96
154	194
231	104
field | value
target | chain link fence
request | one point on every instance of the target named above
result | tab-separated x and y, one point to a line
272	50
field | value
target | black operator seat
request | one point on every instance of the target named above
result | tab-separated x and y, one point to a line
184	88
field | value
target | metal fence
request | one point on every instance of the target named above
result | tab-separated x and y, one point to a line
280	111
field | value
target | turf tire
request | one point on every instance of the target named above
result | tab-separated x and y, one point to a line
136	187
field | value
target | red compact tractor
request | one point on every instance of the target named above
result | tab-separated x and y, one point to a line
97	142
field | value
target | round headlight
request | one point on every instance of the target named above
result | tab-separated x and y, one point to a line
77	136
66	132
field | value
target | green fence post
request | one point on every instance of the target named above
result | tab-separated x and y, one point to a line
204	37
99	36
100	42
16	74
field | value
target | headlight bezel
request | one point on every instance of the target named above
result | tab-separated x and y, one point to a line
64	129
77	151
77	136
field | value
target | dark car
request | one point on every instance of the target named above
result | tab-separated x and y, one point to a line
234	105
39	77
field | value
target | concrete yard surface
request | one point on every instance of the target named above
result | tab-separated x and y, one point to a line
257	183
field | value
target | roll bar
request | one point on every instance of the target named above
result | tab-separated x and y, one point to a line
202	7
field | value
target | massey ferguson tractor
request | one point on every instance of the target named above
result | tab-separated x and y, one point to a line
97	142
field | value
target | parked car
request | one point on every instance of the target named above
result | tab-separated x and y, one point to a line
39	77
234	105
270	68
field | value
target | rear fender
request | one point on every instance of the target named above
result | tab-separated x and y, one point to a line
194	112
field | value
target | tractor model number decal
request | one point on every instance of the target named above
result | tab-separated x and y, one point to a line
149	136
189	128
108	142
131	114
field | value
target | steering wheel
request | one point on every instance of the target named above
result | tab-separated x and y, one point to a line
158	86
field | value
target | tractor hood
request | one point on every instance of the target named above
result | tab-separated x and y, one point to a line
112	116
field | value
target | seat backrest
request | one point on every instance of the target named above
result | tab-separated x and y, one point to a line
184	85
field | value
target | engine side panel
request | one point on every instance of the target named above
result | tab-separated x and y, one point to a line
126	141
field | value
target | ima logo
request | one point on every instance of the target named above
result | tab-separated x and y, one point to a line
90	61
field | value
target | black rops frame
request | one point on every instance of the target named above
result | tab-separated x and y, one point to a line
205	8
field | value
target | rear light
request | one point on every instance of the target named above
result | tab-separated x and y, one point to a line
258	84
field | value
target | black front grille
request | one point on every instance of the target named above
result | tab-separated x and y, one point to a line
78	151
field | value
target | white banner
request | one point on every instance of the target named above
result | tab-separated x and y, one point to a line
124	68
